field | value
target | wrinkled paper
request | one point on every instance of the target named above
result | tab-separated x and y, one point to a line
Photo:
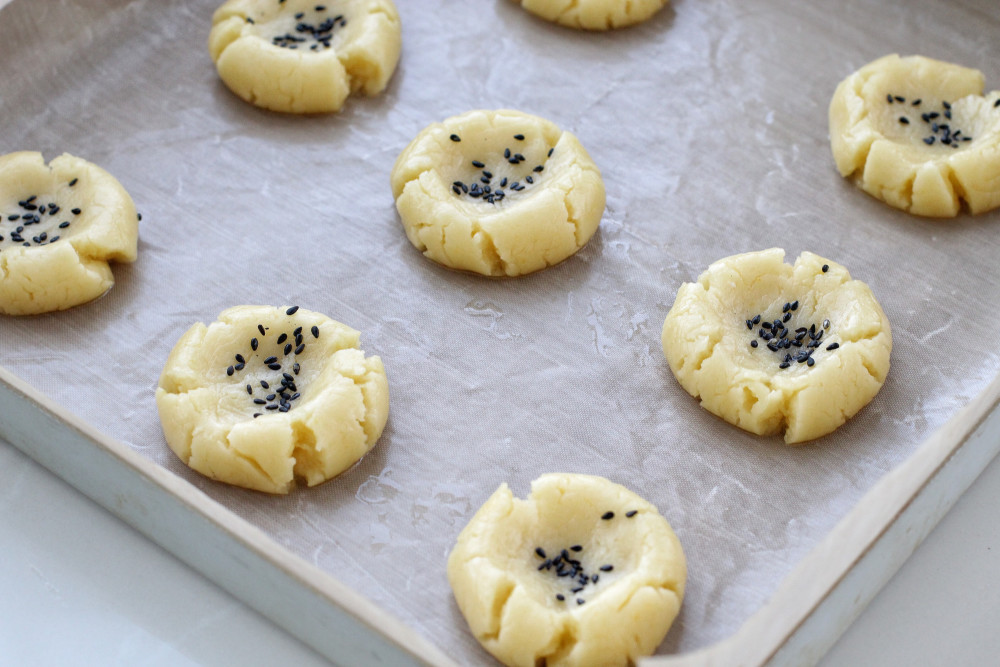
709	123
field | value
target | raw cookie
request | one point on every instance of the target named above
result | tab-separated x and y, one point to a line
593	14
304	56
771	347
918	134
265	395
60	225
582	572
500	193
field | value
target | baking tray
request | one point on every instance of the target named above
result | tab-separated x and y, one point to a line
709	123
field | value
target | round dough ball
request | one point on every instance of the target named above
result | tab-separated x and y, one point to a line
501	193
593	14
265	395
60	225
582	572
919	134
771	347
302	56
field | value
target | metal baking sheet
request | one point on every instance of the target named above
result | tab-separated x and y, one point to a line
709	124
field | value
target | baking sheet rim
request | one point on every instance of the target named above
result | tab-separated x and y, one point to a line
756	641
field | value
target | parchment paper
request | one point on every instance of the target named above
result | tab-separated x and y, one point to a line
710	125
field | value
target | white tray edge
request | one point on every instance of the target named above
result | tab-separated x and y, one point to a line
812	607
833	584
307	602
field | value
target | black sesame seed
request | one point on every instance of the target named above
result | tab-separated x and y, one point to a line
282	338
784	364
239	358
916	103
608	515
576	590
259	401
260	328
826	267
904	120
299	349
292	310
455	137
538	169
929	141
549	154
631	513
889	98
295	368
560	597
239	367
250	389
787	317
274	367
606	568
833	346
580	600
230	370
253	344
996	104
540	551
288	348
270	360
315	332
753	343
477	164
256	414
73	182
264	384
810	361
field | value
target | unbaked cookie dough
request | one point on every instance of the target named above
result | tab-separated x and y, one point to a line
266	395
593	14
501	193
919	134
60	225
771	347
582	572
303	56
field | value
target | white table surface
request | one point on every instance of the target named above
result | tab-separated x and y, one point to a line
80	587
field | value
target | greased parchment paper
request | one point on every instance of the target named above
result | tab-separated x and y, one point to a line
710	125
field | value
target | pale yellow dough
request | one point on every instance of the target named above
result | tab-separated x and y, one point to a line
707	343
208	414
524	231
251	48
593	14
511	604
60	267
890	159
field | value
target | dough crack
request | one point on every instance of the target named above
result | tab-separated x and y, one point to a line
503	596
